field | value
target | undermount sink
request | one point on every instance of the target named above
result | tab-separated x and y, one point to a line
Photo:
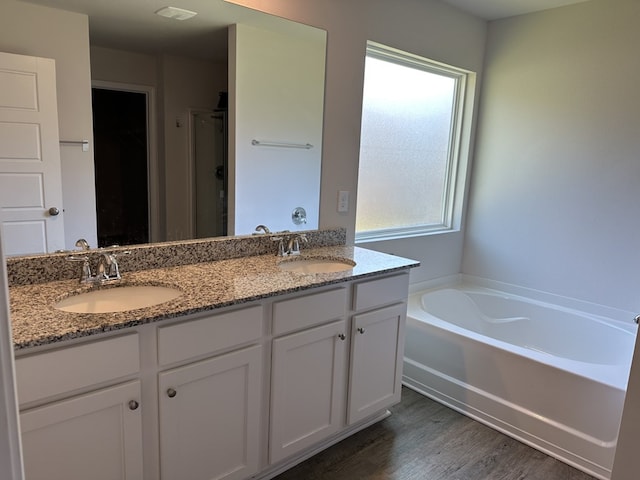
118	299
316	265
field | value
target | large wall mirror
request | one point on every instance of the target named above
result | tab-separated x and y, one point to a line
234	137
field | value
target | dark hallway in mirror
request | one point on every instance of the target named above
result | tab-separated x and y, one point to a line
121	164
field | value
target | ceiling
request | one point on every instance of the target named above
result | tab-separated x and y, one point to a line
131	25
495	9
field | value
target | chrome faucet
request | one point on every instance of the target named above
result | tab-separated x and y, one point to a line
107	270
293	245
263	229
280	252
290	244
82	243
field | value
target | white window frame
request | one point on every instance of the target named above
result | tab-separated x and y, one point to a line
459	144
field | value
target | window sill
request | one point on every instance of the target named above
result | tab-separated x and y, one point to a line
382	236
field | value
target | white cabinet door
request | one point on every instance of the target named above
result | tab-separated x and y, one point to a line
209	418
30	177
95	436
307	388
376	361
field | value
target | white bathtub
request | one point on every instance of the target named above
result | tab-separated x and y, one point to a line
552	377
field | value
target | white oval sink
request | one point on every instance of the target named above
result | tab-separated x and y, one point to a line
117	299
316	265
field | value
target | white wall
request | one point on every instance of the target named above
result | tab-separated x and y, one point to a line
555	194
424	27
186	83
45	32
277	96
112	65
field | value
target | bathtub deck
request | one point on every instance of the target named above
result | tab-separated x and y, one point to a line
424	440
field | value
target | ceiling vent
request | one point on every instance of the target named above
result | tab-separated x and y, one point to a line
176	13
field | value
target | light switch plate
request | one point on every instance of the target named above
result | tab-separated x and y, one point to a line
343	201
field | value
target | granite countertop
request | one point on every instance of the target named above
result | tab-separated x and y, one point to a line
205	286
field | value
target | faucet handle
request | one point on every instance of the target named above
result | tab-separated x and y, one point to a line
117	254
74	258
85	272
280	240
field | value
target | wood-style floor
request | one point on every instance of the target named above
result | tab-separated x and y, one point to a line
423	440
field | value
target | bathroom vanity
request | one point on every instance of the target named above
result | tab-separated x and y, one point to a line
251	370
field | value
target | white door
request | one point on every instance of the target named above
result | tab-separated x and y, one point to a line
307	388
95	436
376	361
30	178
209	418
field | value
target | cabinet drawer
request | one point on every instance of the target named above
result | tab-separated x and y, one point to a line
380	291
309	310
206	335
66	369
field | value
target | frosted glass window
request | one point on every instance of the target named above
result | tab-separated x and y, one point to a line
407	145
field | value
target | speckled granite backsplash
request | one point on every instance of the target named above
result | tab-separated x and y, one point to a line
54	267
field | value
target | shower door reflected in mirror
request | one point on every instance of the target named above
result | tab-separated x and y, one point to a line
209	172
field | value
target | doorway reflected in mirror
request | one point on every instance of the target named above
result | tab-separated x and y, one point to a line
210	163
121	166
